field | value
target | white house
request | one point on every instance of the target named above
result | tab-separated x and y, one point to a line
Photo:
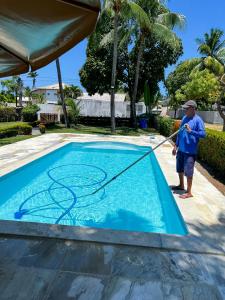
99	105
50	92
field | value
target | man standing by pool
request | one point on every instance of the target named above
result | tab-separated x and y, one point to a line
186	145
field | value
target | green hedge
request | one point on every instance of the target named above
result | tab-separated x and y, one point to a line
7	114
164	125
13	130
212	150
29	113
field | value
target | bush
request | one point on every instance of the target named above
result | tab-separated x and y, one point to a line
212	150
23	129
7	132
42	128
29	113
164	125
7	114
13	130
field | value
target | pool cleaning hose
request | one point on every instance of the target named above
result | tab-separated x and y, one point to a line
139	159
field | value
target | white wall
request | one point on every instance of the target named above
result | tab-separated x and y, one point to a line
94	108
211	117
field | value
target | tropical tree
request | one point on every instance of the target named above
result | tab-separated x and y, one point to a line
61	93
124	9
39	98
151	98
33	76
74	110
28	93
212	45
157	23
72	91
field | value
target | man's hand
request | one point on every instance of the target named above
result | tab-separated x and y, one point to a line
174	152
187	127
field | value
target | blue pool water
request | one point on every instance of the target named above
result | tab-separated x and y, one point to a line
57	188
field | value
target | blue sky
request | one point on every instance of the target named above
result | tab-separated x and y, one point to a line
201	15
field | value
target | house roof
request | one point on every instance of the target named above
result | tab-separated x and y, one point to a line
51	87
104	97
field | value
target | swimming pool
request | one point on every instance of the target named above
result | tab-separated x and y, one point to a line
57	188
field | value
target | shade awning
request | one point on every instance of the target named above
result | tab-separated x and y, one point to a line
34	33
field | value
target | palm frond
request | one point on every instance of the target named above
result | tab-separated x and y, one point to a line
220	55
140	15
164	34
172	20
107	39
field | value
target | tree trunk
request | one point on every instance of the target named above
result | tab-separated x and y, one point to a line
62	94
221	113
137	74
113	79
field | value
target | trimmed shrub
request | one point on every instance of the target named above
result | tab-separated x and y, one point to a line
23	129
7	114
7	132
42	128
29	113
212	150
13	130
164	125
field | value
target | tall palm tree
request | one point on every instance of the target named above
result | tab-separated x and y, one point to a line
61	93
161	26
212	45
33	76
119	9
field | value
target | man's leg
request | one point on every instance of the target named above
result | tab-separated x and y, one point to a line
181	178
189	171
180	171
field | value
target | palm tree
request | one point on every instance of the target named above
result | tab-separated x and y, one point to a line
61	93
160	25
212	45
33	75
119	9
28	92
72	91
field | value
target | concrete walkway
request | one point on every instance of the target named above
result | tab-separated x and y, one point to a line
39	262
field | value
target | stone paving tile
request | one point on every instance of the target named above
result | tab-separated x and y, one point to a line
12	250
68	285
179	267
136	263
45	254
88	258
188	291
25	283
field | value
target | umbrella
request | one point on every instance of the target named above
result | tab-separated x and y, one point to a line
34	33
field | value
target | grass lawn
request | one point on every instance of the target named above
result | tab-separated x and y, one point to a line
99	130
218	127
14	139
3	124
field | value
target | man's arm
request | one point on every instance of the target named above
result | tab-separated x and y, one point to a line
200	133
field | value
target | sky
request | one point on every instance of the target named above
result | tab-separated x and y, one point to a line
201	16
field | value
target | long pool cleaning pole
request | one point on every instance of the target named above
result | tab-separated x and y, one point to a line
139	159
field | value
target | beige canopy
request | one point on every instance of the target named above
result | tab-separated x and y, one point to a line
35	32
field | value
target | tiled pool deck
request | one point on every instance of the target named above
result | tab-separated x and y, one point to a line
40	261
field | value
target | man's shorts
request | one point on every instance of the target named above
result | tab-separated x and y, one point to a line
185	163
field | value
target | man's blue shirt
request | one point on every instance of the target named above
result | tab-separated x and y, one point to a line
188	142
